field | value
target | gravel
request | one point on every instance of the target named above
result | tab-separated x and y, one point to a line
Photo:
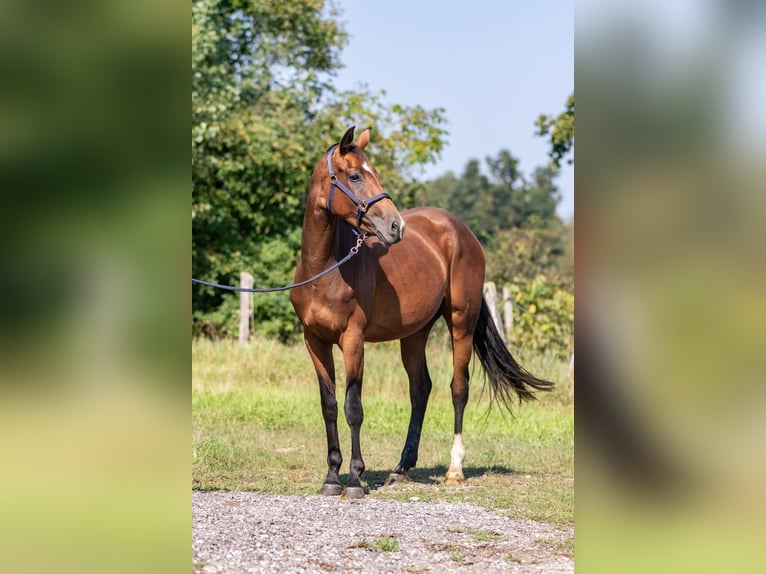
252	532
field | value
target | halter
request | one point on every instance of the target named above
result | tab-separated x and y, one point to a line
362	205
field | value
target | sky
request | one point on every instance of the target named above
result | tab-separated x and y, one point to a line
494	66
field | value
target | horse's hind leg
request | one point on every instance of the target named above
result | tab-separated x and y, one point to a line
461	327
414	358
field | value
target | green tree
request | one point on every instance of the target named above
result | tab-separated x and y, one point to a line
263	112
499	201
560	132
469	194
522	253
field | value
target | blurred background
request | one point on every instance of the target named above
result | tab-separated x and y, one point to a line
671	407
94	297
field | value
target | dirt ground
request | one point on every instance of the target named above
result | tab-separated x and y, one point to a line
252	532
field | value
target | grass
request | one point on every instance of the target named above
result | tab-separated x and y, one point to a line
385	544
257	425
478	535
562	547
485	536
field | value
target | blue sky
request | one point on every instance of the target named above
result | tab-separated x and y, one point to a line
493	65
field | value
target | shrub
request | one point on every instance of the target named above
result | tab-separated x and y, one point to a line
543	316
273	265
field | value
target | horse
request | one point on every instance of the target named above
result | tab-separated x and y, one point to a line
410	269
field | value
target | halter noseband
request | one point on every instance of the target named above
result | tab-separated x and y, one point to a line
362	205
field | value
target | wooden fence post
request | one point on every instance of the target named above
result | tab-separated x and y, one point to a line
508	312
246	281
490	295
571	377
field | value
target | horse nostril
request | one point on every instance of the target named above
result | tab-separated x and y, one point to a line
397	229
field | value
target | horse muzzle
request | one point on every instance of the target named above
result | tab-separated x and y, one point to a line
388	230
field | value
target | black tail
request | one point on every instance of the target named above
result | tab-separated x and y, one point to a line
505	375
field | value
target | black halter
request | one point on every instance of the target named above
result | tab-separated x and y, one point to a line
362	205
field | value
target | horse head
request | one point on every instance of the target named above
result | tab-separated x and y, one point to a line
363	202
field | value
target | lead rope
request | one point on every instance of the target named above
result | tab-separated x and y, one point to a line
360	237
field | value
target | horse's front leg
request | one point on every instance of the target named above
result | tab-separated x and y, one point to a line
321	356
352	345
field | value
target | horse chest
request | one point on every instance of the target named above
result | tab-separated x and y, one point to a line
330	312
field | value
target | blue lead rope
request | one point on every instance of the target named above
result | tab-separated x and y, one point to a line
362	205
354	250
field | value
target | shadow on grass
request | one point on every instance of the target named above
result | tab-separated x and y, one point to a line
429	475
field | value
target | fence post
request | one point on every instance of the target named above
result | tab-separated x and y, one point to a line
571	377
246	281
508	312
490	296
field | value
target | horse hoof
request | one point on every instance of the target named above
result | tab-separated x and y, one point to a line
396	478
330	489
353	492
453	479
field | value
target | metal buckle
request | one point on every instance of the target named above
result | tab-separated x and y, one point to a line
359	240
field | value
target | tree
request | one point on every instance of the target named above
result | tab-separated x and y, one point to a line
512	215
502	200
523	253
560	131
264	110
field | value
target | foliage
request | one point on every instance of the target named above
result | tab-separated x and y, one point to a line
404	138
263	112
560	130
514	217
272	264
543	318
499	200
533	249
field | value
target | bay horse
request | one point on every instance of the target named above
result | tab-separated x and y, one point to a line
411	269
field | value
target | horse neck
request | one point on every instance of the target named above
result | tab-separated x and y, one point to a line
317	238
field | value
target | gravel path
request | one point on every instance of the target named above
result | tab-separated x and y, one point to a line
252	532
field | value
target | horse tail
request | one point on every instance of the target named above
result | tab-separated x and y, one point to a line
505	375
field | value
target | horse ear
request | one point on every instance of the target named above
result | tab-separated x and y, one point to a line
364	138
347	140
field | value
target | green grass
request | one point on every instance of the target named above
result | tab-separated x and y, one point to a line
485	536
385	544
562	547
257	425
477	535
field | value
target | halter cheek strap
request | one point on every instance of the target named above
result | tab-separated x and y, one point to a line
362	205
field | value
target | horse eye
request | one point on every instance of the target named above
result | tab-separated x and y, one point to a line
355	177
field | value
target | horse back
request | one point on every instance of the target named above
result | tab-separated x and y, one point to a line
416	276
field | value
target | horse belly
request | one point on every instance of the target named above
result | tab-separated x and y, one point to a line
408	295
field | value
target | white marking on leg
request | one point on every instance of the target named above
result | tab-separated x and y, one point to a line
457	455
